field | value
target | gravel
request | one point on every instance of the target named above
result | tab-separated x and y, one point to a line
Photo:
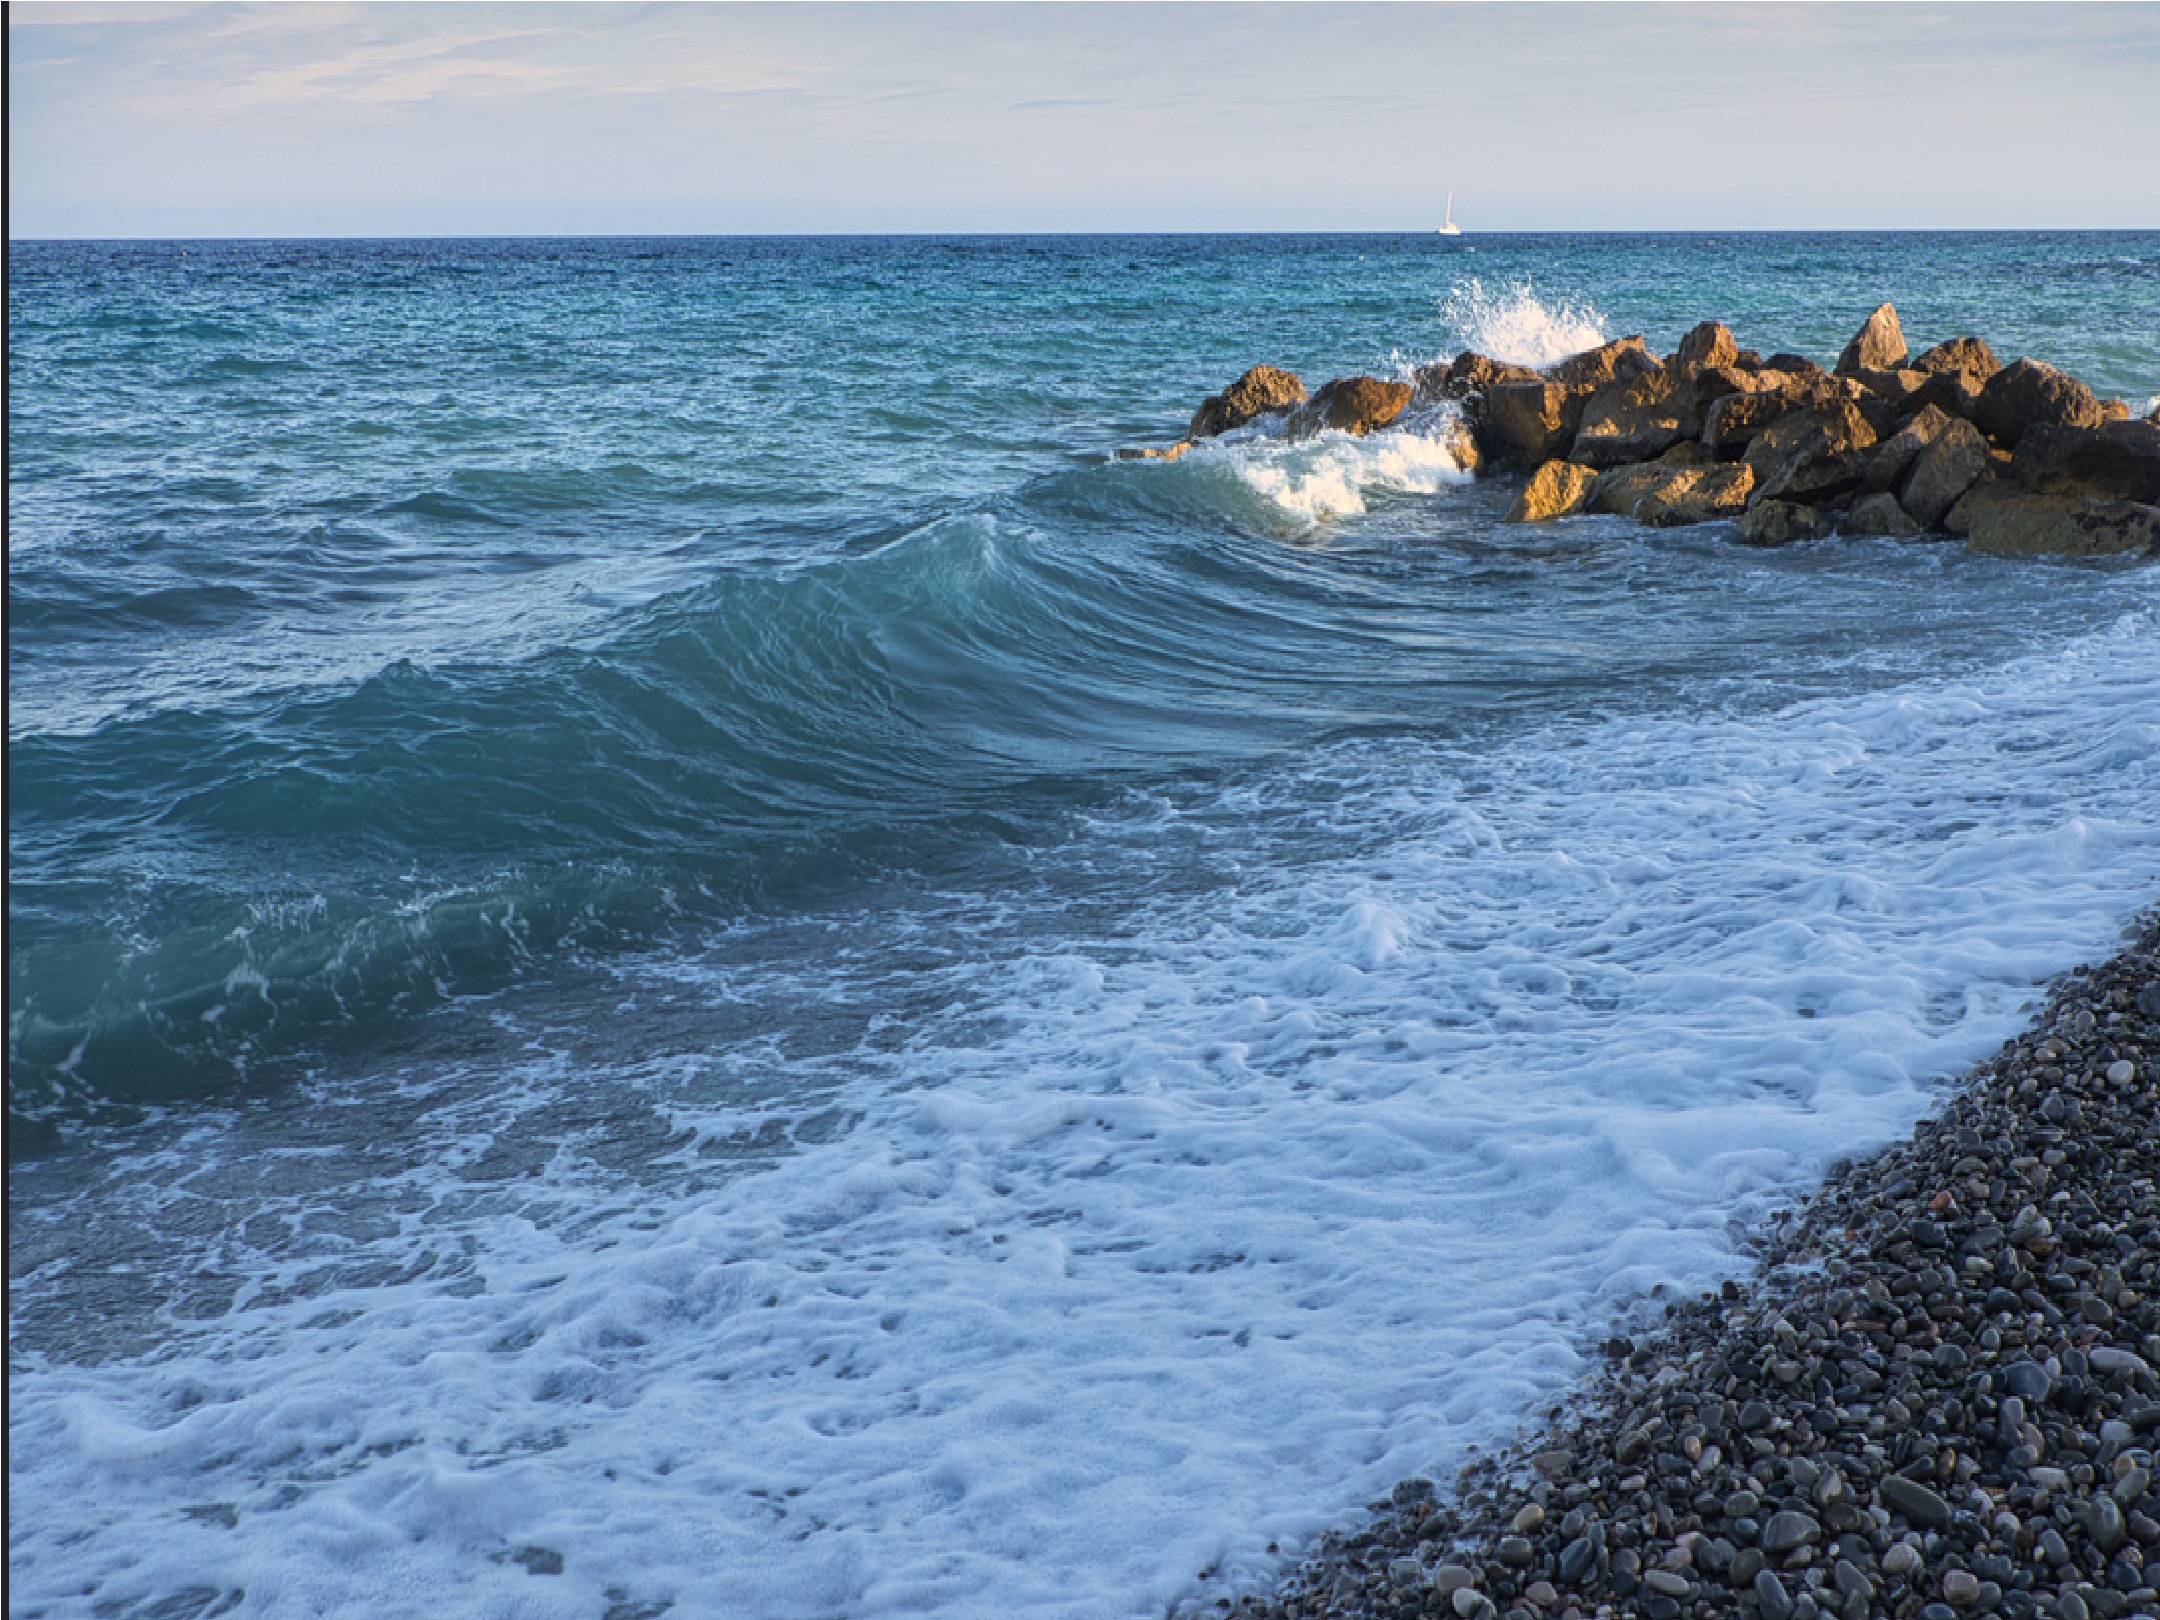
1937	1399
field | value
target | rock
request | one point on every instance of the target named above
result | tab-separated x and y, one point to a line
1794	365
1695	494
1515	1551
1713	383
1260	390
1635	419
1353	405
1901	1559
1950	392
1780	523
2107	1358
2028	1380
1619	489
1877	346
1771	1597
1524	424
1576	1559
1554	491
1149	452
1942	472
1812	455
1619	360
1893	457
1730	423
1709	344
1961	1587
1460	438
1892	387
1966	357
2002	522
1467	374
2116	461
2028	394
1787	1530
1915	1501
1881	514
1450	1578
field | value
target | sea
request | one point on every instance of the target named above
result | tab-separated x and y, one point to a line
672	951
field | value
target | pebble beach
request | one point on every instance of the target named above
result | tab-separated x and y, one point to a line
1937	1396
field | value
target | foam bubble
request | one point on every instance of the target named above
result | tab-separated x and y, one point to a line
1514	324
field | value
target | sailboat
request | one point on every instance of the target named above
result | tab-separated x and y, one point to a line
1450	228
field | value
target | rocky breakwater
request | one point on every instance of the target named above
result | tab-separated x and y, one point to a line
1939	1399
2018	459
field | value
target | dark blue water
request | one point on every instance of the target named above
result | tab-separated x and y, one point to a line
615	719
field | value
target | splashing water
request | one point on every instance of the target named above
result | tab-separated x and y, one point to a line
1514	325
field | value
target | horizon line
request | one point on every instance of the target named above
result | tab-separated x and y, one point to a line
996	235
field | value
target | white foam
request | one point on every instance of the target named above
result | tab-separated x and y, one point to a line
1294	487
1178	1230
1514	324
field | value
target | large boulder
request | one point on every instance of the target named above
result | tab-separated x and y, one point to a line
1893	387
1889	461
1781	523
1354	405
1951	392
1620	489
1696	494
1794	365
1618	360
2115	461
1967	357
1877	346
1260	390
1881	514
1710	344
1636	419
1731	423
2032	393
1556	490
1709	384
1813	455
1526	423
1942	472
2003	522
1468	373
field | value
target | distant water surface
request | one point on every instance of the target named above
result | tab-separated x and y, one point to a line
669	949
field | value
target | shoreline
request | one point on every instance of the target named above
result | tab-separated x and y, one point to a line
1938	1396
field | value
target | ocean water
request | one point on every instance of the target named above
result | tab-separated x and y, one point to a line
671	952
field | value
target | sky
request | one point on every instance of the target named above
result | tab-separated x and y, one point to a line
187	120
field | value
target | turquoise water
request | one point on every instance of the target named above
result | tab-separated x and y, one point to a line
664	763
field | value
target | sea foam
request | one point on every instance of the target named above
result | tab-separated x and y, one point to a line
1149	1235
1515	324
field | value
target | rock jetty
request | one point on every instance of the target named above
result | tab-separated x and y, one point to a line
1940	1397
2018	459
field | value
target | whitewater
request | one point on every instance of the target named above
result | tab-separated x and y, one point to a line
909	1019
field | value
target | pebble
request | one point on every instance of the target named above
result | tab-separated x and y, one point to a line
1935	1400
1788	1530
1915	1501
1449	1578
